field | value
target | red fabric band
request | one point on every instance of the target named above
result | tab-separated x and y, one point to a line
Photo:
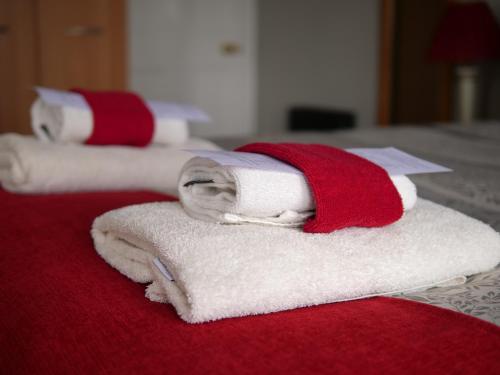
349	191
120	118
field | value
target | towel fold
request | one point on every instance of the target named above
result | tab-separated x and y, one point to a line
226	194
222	271
30	166
69	124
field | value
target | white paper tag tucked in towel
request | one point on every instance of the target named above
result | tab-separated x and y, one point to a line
159	109
62	98
394	161
397	162
178	111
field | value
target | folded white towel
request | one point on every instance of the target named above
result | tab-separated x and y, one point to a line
30	166
227	194
234	270
55	123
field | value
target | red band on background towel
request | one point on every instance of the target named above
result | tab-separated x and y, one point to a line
349	191
120	118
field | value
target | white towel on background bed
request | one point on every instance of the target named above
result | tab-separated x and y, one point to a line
55	123
228	194
30	166
224	271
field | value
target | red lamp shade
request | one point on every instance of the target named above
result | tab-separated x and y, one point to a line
467	33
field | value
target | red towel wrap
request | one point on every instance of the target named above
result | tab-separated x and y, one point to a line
349	191
120	118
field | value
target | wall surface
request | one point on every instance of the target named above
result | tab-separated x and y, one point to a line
176	54
155	31
317	52
314	52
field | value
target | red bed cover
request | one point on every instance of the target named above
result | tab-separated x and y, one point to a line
65	311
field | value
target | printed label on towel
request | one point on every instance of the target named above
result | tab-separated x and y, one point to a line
394	161
161	267
159	109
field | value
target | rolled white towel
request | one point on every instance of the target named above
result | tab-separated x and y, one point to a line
30	166
227	194
212	271
69	124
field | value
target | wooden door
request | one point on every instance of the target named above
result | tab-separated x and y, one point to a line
412	89
82	43
18	68
60	44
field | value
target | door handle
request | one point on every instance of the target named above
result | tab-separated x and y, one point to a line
79	30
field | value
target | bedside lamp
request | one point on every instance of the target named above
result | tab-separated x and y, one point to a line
466	35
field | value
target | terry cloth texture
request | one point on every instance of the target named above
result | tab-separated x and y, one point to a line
227	194
30	166
67	124
65	311
348	191
120	118
225	271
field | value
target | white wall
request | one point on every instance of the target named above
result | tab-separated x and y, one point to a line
175	55
157	49
317	52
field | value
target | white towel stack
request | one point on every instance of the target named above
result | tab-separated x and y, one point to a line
71	124
210	271
59	161
30	166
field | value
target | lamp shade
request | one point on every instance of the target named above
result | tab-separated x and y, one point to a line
467	33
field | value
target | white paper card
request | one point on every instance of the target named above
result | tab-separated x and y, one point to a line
246	160
397	162
62	98
394	161
159	109
177	111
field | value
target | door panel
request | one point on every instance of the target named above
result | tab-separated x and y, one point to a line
18	71
57	43
412	89
82	43
419	84
201	52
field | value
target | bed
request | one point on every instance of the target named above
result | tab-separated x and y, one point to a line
61	312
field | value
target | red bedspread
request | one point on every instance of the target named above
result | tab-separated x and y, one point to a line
63	310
